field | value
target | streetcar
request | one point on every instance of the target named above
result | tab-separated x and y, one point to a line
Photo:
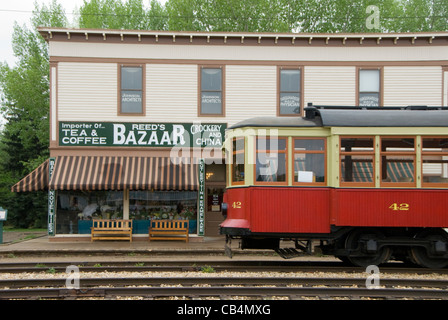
364	184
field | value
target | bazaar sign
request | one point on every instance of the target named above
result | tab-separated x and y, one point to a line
108	134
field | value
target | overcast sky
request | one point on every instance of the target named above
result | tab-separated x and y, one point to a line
21	11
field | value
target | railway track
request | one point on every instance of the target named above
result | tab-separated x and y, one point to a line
220	284
223	288
217	265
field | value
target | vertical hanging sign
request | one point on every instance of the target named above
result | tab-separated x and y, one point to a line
201	202
51	200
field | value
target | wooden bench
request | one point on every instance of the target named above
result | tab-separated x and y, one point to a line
105	229
169	230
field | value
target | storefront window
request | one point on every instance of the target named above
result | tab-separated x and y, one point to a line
76	209
145	205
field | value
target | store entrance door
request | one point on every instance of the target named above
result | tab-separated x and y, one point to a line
215	184
213	216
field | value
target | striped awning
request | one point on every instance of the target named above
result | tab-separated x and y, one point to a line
119	173
398	171
37	180
362	171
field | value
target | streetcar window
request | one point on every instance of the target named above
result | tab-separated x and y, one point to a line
398	160
357	160
309	160
435	160
271	160
237	165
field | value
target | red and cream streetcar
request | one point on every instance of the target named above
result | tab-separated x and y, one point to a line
369	183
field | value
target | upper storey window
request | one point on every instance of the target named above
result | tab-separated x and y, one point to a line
211	87
290	91
131	90
369	87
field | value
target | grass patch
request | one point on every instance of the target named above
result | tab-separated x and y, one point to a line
12	229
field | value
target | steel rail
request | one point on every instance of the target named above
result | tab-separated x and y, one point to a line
222	292
160	266
222	281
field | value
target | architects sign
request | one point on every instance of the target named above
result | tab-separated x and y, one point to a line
107	134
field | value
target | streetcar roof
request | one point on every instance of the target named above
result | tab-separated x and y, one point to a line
356	117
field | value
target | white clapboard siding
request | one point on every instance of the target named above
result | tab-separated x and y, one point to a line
413	86
445	89
172	92
251	91
330	85
87	91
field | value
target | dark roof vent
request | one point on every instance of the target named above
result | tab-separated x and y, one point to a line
310	111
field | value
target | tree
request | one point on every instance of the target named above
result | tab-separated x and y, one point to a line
116	14
25	106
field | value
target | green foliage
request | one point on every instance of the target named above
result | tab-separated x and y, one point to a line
208	269
25	106
322	16
116	14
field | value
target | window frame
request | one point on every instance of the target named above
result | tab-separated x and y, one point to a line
432	153
285	152
223	91
294	152
279	91
380	84
119	105
232	165
357	153
398	153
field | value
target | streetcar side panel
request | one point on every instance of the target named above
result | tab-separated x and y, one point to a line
279	209
290	210
390	207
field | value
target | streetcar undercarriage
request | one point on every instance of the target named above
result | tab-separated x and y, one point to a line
427	247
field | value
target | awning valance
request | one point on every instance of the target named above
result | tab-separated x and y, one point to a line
37	180
112	173
119	173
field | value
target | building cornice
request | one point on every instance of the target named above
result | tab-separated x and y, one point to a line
239	38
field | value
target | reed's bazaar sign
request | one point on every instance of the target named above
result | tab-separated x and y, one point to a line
108	134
